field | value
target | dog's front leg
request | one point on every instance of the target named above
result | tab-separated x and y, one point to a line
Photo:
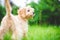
17	35
14	35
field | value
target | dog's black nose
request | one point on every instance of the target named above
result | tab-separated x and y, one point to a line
33	12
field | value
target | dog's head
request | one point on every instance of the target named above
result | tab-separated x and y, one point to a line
26	12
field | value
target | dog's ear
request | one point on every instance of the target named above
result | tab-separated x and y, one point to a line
22	12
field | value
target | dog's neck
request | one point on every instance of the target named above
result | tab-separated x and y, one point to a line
23	19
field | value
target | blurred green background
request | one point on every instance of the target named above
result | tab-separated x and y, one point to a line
46	11
45	25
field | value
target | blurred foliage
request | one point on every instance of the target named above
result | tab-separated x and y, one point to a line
2	12
14	9
46	11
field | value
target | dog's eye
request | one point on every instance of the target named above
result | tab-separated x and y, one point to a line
28	10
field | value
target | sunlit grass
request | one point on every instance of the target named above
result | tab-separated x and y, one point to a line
43	33
38	32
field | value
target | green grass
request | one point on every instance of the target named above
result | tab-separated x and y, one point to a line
37	32
43	33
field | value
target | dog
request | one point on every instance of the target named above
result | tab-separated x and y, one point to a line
17	24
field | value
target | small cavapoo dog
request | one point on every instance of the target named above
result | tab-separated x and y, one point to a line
18	24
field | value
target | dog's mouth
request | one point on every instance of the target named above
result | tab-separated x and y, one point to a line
30	16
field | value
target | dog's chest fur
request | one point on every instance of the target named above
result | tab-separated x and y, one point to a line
20	24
